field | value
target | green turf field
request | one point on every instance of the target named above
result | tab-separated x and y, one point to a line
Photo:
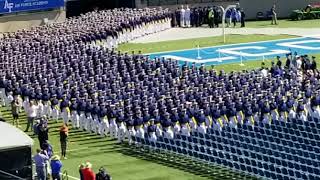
193	43
285	23
124	162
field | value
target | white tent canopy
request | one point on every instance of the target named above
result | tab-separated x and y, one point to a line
12	137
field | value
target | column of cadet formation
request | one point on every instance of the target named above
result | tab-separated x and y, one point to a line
106	92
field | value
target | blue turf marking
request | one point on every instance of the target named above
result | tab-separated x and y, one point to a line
247	51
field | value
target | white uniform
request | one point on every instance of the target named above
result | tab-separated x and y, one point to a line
140	132
153	136
47	108
159	131
104	125
185	130
130	132
65	115
187	17
182	13
9	99
233	121
55	113
315	112
75	119
122	130
82	120
302	116
113	128
177	128
95	124
274	115
202	129
88	122
292	114
168	133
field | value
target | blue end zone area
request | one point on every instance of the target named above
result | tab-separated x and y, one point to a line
235	53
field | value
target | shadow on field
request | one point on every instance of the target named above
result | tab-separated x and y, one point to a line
182	163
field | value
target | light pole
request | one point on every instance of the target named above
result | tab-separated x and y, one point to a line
224	11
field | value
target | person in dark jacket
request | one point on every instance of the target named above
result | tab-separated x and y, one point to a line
103	174
42	134
243	15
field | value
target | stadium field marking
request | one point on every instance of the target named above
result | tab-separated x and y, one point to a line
199	60
195	48
242	52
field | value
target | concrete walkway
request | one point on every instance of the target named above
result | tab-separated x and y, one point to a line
188	33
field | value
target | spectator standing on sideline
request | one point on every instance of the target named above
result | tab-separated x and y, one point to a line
63	140
228	17
234	17
274	20
32	111
103	174
15	110
87	172
42	133
56	166
210	18
40	160
243	15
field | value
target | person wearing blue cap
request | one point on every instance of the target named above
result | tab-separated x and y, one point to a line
104	122
46	103
274	109
130	127
95	123
82	116
138	124
301	112
122	130
184	123
291	107
265	113
231	115
88	118
283	110
74	115
175	120
55	113
201	120
166	125
152	131
65	109
112	115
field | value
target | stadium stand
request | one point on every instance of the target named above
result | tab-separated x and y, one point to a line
264	125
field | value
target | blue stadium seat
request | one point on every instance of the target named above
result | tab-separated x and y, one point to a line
236	166
273	175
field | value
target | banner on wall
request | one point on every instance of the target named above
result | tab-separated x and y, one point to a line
13	6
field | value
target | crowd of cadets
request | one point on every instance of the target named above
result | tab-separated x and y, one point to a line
196	17
123	95
109	27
